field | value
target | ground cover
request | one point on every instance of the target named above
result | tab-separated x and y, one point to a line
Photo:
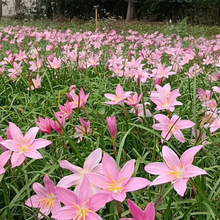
78	106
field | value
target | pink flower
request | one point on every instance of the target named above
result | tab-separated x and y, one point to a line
15	71
4	157
119	98
24	146
162	72
2	70
36	82
164	98
140	110
216	89
80	206
91	166
55	125
82	130
172	126
79	101
66	110
55	63
117	183
46	199
44	125
175	170
134	100
138	214
36	65
204	95
112	126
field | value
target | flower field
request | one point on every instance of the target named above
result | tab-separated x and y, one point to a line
108	125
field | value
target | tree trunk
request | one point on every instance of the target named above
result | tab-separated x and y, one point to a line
60	7
0	9
130	11
49	10
17	5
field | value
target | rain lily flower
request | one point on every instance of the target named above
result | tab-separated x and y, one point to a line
210	105
36	82
112	126
36	65
4	157
163	72
172	126
164	98
46	199
117	183
44	125
79	101
55	63
15	71
175	170
55	125
66	110
24	146
134	100
204	95
119	98
216	89
91	165
2	70
82	130
80	206
140	110
138	214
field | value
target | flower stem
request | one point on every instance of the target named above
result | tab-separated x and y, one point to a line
114	146
118	208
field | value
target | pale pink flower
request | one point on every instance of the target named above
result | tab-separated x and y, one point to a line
36	65
117	183
36	82
55	125
112	125
24	146
66	110
162	72
119	98
80	206
83	129
134	100
46	199
216	89
44	125
140	110
204	95
172	126
91	165
79	101
210	105
175	170
55	63
15	71
164	98
2	70
138	214
215	125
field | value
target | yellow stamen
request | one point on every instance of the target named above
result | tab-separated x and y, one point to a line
48	201
82	211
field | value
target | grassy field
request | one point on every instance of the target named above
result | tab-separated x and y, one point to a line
60	78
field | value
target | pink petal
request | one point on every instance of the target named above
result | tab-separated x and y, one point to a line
40	143
157	168
85	191
15	132
191	171
136	211
30	135
49	184
126	172
180	186
162	118
98	180
149	213
110	96
109	167
40	190
17	159
171	158
188	156
119	196
33	201
179	136
136	183
67	165
4	157
93	216
70	180
66	196
10	144
32	153
98	201
2	170
93	160
64	213
119	90
182	124
162	179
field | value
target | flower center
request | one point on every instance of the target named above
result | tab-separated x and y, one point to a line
48	201
24	147
82	211
114	187
178	173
